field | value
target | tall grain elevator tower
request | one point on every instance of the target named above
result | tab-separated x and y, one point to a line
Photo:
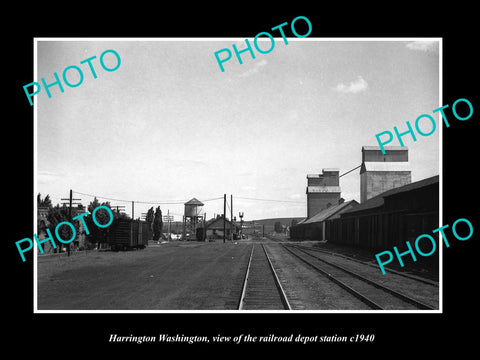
381	172
323	190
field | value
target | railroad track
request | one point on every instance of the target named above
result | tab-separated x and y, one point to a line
373	294
261	287
331	253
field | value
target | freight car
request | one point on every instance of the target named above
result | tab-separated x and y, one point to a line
128	234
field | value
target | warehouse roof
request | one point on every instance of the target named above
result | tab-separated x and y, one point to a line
379	199
302	221
329	212
217	223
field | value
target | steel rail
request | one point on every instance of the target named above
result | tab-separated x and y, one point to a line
245	280
283	296
352	291
395	293
278	287
417	278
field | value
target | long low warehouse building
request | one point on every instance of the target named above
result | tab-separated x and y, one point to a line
314	227
389	219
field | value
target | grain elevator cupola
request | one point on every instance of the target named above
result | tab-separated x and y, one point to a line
323	190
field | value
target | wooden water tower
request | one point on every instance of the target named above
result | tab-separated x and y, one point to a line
193	216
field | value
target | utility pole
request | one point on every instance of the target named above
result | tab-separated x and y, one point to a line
168	217
224	211
69	216
231	217
119	208
70	202
204	226
133	219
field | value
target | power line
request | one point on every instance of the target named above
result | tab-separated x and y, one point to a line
349	171
181	202
272	200
212	199
162	202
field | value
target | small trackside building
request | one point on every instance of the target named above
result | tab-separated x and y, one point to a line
214	229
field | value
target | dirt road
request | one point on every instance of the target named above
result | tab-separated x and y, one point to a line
166	277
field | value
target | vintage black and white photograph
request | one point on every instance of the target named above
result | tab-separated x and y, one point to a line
209	175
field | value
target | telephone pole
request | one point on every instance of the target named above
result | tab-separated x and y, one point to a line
224	211
70	201
204	226
133	219
169	221
167	218
231	217
118	208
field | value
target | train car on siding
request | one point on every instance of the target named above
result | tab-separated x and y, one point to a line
128	234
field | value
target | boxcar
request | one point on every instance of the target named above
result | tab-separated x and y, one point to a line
129	234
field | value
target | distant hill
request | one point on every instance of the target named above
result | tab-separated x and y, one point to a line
177	226
269	224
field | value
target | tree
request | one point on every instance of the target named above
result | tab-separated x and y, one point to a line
46	202
42	203
150	217
278	227
99	235
157	224
294	222
55	216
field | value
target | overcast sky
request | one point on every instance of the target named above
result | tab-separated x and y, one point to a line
169	125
